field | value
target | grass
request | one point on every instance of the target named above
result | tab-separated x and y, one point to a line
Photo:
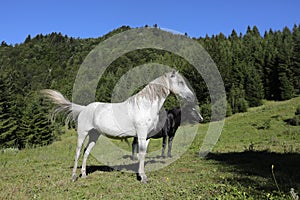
239	167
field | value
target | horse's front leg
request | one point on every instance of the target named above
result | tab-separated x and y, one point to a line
142	143
163	146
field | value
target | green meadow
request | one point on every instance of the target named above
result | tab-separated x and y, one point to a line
256	157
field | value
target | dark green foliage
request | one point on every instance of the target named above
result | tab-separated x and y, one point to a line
8	112
253	68
228	110
36	128
205	110
297	110
254	88
284	62
236	98
296	58
295	121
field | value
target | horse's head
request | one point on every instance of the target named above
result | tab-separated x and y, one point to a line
190	113
178	86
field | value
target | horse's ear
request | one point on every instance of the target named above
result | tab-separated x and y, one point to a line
174	73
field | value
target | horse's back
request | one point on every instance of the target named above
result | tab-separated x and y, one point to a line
113	119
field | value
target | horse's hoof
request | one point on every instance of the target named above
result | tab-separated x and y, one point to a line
133	158
144	182
74	178
83	176
144	179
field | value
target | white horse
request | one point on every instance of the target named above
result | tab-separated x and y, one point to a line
135	117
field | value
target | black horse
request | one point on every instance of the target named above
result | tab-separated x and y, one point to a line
169	121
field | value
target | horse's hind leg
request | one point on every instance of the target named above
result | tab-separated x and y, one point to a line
93	137
170	142
80	140
134	147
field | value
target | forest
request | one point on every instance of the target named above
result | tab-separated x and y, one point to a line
254	66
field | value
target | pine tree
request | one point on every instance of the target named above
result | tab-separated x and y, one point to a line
284	64
36	126
237	99
269	75
8	124
296	58
253	88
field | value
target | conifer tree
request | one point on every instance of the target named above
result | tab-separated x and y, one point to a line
284	64
36	126
8	124
296	58
253	88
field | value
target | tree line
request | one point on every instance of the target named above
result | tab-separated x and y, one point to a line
253	66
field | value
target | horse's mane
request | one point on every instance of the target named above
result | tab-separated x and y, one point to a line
156	89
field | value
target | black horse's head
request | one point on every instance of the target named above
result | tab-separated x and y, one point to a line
191	114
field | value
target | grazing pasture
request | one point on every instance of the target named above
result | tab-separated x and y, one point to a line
256	157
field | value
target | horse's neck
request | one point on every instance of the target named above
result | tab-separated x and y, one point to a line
163	85
161	81
155	92
177	114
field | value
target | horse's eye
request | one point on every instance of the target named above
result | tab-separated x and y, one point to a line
180	82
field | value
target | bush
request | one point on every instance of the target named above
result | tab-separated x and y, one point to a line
297	110
295	121
228	110
205	111
242	105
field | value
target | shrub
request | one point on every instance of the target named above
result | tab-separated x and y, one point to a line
295	121
297	110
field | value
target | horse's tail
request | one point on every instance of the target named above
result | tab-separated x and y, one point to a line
63	105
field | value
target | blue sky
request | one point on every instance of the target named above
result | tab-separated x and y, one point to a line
94	18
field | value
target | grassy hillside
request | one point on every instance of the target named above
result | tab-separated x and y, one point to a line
240	166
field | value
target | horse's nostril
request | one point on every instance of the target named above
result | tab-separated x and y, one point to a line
190	98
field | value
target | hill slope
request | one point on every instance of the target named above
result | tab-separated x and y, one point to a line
252	67
239	167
